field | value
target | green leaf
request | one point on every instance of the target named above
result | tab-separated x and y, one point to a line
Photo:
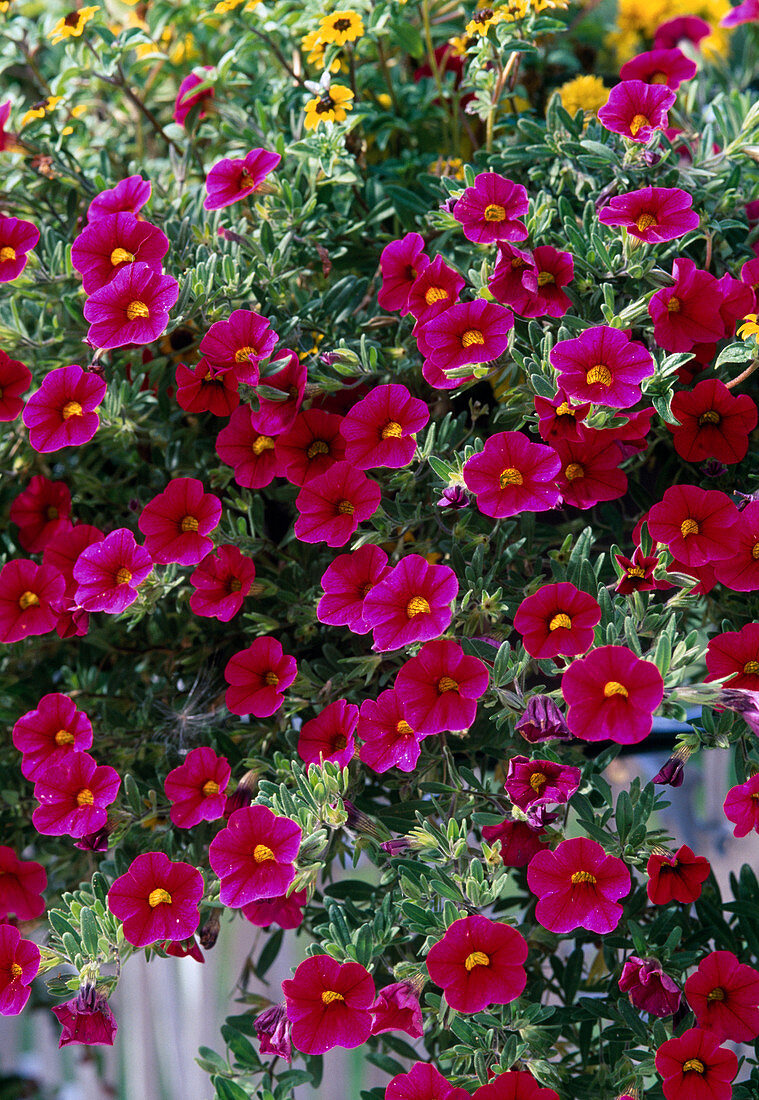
90	932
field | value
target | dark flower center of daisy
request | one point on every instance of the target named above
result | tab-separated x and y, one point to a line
16	971
446	683
560	621
403	729
417	605
7	253
599	375
189	523
391	430
329	996
72	19
636	571
159	896
27	600
637	123
472	336
694	1065
262	443
85	797
645	221
581	877
341	25
573	471
246	180
510	476
318	447
545	277
235	584
689	527
716	994
64	737
345	508
482	15
613	687
271	679
538	781
751	668
137	309
71	408
210	788
494	212
435	294
673	305
121	256
262	854
477	958
123	576
711	416
52	513
323	104
243	354
755	551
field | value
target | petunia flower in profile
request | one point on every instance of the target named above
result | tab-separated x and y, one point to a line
157	899
196	788
558	418
389	740
635	109
15	379
411	604
310	446
467	332
687	313
199	390
19	964
280	394
696	525
397	1008
423	1082
490	211
347	581
330	507
257	677
41	511
439	688
254	855
182	949
328	1004
62	411
272	1029
286	911
735	654
653	214
48	734
519	840
22	882
542	721
107	245
724	995
133	308
232	179
401	263
330	736
30	596
578	886
514	281
512	475
649	988
380	429
222	581
545	295
602	365
612	694
679	877
74	796
712	422
176	523
741	806
249	451
747	12
557	619
670	67
127	196
693	1066
87	1019
478	963
17	239
435	289
540	782
109	572
187	98
514	1085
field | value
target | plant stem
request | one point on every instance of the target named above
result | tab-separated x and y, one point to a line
744	374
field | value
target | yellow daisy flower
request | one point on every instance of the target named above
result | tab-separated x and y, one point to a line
458	45
230	5
315	47
71	25
341	27
514	10
483	19
39	110
586	93
330	106
749	326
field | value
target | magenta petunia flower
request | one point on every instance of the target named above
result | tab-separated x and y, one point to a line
17	239
519	840
747	12
157	899
47	735
176	523
612	694
284	911
15	379
239	344
41	511
468	332
649	988
676	877
346	583
602	365
542	721
244	447
544	296
389	740
653	214
21	884
330	507
724	995
187	99
401	262
635	109
330	736
514	1085
540	782
233	179
590	470
310	446
712	422
254	855
741	806
558	618
434	290
490	210
380	428
62	552
198	390
688	28
693	1066
74	796
515	277
86	1020
30	595
109	572
578	886
107	245
133	308
19	964
257	677
512	475
694	524
670	67
196	788
62	411
687	313
272	1029
397	1008
438	689
328	1004
129	196
423	1082
411	604
478	963
558	418
221	581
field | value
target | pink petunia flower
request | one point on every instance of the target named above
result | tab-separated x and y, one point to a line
544	295
187	99
177	521
346	582
693	1066
30	595
157	899
328	1004
380	428
735	654
515	277
397	1008
330	507
19	964
670	67
21	884
63	551
401	263
712	422
196	788
239	344
41	511
47	735
310	446
558	418
688	312
411	604
438	689
257	677
578	886
109	572
741	806
250	452
330	736
490	210
423	1082
133	308
602	365
233	179
676	877
15	379
558	618
649	988
74	796
542	721
478	963
62	411
589	470
221	581
17	239
468	332
284	911
254	855
653	214
107	245
612	694
687	28
694	524
272	1029
635	109
747	12
434	290
199	390
129	195
512	475
519	840
389	740
86	1020
724	995
540	782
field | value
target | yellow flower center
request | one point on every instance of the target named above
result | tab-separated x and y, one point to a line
318	447
477	958
689	527
472	336
755	551
189	523
71	408
235	585
565	410
573	471
27	600
561	621
121	256
417	605
613	687
751	668
329	996
85	797
159	896
345	508
243	354
581	877
636	571
658	78
262	443
538	782
711	416
52	513
7	253
392	430
137	309
694	1065
16	971
64	737
510	476
123	576
261	854
545	277
637	124
495	213
403	729
599	375
644	222
435	294
210	788
446	683
246	181
717	994
271	679
673	305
